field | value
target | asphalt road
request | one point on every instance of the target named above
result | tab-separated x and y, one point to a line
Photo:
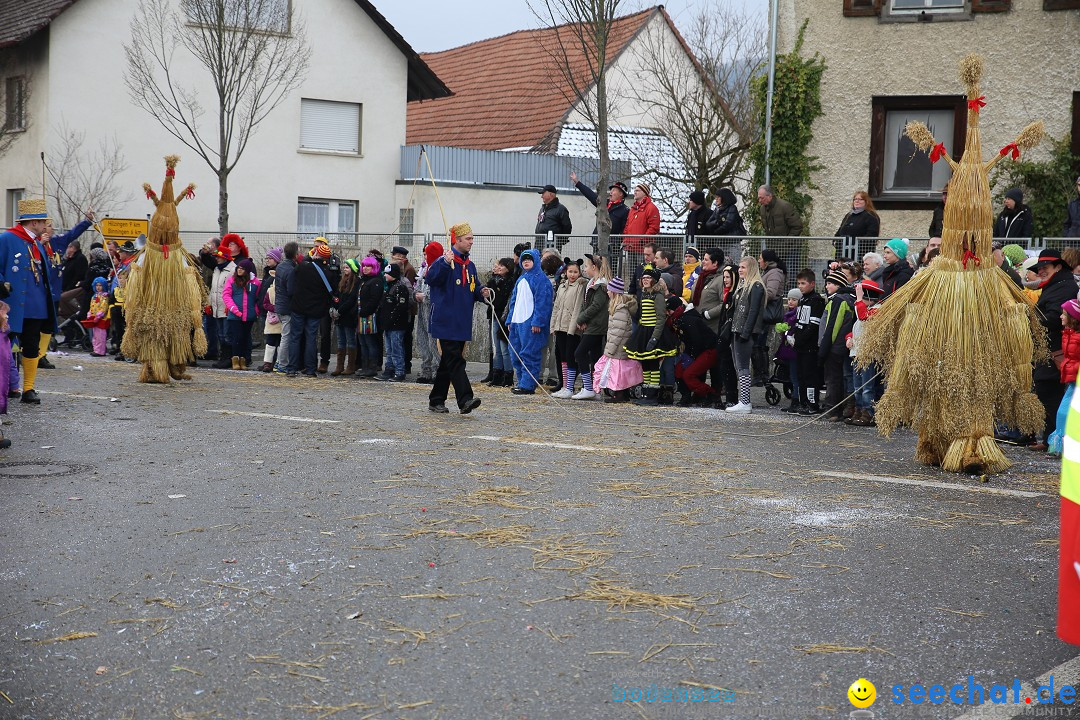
240	546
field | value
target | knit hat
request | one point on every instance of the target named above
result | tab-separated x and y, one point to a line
644	188
393	271
837	278
617	285
794	294
697	197
899	246
693	251
1014	254
1071	308
353	265
651	272
1016	194
275	254
433	251
674	302
372	263
248	264
100	280
398	250
322	250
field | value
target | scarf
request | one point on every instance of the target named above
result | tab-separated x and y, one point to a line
700	285
856	212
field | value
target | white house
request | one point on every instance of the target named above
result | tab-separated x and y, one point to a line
326	159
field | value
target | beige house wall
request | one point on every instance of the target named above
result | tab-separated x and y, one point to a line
1032	69
79	80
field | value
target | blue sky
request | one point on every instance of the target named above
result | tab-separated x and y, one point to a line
430	26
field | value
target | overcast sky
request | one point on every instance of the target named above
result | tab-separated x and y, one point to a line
430	25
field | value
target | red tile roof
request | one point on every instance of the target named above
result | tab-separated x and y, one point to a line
508	91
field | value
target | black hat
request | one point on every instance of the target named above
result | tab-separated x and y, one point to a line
693	251
697	197
1048	257
128	247
398	250
651	272
548	188
622	187
393	271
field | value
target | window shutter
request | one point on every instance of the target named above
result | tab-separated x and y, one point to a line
327	125
862	8
1061	4
988	6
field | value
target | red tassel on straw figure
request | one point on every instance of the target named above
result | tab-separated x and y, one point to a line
979	102
937	152
1011	147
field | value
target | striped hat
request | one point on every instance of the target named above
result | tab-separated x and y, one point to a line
322	250
617	285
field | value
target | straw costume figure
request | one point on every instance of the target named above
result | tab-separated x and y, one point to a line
165	294
957	341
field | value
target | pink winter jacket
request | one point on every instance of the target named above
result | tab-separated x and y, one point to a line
242	311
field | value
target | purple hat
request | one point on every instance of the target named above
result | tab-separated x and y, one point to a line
1072	309
276	254
248	264
617	285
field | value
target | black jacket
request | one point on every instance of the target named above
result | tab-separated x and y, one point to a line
808	322
369	295
503	286
695	223
553	217
347	305
1016	223
725	220
839	320
74	271
937	221
283	287
1072	220
894	276
394	314
1061	287
864	224
696	335
618	212
310	298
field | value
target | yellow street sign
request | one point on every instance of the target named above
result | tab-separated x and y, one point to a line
124	228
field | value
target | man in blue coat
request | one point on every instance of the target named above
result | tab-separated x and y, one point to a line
59	244
455	287
25	274
529	317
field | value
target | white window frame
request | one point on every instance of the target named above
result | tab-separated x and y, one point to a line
928	6
333	212
14	195
318	110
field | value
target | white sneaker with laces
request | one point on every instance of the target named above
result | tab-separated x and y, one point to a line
583	394
739	409
562	394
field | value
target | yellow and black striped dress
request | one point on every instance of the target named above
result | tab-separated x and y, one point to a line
650	325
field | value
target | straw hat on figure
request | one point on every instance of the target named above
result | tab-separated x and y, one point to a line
957	341
165	293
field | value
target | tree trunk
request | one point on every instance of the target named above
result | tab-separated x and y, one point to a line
223	201
603	218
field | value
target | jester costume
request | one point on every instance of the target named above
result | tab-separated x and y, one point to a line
165	294
530	307
1068	625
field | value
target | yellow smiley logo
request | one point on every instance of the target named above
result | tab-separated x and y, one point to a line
862	693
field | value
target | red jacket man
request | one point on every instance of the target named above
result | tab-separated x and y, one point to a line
644	218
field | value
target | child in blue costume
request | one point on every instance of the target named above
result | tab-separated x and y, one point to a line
528	318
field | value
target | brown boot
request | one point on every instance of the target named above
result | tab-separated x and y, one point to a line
243	364
235	362
350	362
340	363
324	365
849	409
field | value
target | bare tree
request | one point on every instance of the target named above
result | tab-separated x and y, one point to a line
579	50
254	54
84	178
701	100
15	91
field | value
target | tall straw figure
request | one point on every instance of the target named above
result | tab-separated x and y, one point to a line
165	294
957	341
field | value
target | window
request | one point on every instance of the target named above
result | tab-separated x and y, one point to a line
269	16
322	217
331	126
927	10
405	221
899	6
13	198
15	104
901	175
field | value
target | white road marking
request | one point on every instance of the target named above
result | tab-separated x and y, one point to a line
375	441
929	483
1067	673
73	395
561	446
275	417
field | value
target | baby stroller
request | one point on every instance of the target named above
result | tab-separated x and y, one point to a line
70	331
781	375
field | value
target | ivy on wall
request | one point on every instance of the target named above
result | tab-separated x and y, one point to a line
1047	186
796	104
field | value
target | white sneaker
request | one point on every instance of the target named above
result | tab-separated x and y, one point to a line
739	409
583	394
563	394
